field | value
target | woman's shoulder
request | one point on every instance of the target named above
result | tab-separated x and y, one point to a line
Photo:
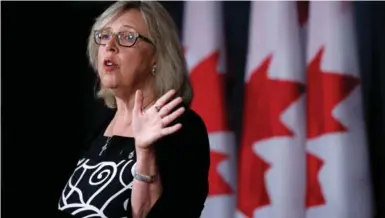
192	132
191	140
192	121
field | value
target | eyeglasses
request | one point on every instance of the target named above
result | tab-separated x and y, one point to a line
125	39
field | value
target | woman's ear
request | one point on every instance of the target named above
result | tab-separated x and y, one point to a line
154	58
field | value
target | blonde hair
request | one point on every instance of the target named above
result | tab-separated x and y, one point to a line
171	68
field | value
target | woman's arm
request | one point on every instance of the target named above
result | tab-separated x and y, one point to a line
183	162
144	195
148	126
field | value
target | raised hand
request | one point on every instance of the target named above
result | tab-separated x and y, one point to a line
150	125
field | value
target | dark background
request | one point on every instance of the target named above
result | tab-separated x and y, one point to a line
48	87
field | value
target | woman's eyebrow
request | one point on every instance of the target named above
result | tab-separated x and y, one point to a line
128	26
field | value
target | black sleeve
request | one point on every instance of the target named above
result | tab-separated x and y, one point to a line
183	162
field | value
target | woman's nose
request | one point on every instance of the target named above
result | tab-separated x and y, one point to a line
111	45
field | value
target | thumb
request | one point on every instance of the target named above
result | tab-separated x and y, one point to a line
138	102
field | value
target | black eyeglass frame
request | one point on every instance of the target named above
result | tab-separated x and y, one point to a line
119	34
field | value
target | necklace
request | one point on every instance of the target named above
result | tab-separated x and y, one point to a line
110	137
107	142
105	145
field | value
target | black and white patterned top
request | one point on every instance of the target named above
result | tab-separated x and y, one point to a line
101	183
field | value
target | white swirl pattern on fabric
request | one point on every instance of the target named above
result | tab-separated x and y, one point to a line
100	179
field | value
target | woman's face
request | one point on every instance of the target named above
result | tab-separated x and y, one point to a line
120	68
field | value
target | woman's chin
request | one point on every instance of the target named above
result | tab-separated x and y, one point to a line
110	86
109	83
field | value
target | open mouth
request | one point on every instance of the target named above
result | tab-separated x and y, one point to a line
109	65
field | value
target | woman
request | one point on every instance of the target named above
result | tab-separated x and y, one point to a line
150	158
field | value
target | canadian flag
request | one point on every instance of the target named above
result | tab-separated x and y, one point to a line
271	181
338	175
204	51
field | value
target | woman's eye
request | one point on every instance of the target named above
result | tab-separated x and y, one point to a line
129	36
104	36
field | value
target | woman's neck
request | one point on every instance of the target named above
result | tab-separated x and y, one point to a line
125	105
120	124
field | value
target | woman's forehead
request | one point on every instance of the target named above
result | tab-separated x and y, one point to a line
130	20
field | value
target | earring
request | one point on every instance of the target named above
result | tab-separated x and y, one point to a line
153	70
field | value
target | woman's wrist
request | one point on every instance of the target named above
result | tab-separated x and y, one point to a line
146	161
144	152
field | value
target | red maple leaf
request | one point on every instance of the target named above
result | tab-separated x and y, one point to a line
217	185
208	103
265	100
208	93
314	194
325	91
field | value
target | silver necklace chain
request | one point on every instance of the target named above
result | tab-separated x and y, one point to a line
105	145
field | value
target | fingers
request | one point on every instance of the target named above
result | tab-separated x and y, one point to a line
166	109
171	129
138	102
164	99
171	117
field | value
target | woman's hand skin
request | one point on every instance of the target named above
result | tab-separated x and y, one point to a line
150	125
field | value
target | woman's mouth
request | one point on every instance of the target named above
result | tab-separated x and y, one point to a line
109	65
